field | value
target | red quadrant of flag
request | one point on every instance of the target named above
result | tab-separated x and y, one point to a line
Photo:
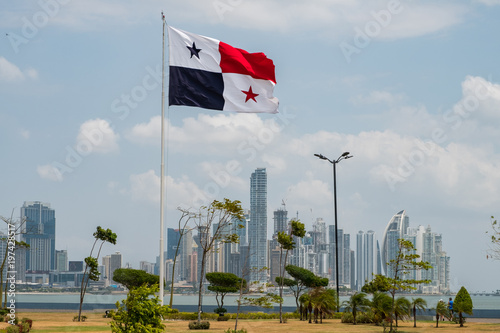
238	61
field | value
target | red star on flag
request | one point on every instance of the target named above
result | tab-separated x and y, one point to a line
250	94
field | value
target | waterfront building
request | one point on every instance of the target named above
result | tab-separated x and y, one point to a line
115	262
344	252
39	232
173	236
396	228
257	227
280	221
184	255
429	246
61	260
366	258
147	267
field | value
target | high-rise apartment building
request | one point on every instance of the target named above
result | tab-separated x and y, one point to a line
396	228
39	232
115	262
367	255
173	236
62	261
257	227
280	221
344	252
429	246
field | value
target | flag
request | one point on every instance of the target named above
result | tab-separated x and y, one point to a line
210	74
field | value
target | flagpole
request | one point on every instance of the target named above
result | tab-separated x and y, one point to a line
162	172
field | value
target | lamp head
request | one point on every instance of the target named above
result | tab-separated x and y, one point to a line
345	154
320	156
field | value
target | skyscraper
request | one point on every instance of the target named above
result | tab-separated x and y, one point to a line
367	253
429	246
396	228
62	261
280	220
257	227
115	262
39	232
173	236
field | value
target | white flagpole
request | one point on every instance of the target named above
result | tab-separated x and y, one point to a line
162	172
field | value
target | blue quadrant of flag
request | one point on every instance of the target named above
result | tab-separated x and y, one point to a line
194	87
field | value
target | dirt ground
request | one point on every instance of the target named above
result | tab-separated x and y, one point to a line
63	322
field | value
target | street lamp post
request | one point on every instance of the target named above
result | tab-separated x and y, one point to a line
344	156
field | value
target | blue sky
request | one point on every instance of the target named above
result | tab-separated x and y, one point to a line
415	98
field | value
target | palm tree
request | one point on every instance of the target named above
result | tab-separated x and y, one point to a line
324	301
357	302
401	309
417	303
305	305
441	310
381	306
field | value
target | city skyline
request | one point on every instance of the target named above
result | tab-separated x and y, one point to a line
411	92
315	251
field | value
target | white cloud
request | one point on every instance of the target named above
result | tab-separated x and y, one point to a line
9	72
31	73
206	134
181	192
377	96
326	19
418	19
489	2
48	172
25	134
96	135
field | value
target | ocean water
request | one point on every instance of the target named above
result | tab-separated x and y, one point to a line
71	301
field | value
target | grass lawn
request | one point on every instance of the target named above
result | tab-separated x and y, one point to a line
63	322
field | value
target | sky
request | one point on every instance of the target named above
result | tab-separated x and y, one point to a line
411	89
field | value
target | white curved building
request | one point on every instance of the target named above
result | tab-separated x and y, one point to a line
396	228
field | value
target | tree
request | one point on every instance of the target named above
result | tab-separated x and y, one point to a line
213	224
14	228
92	263
379	283
417	304
358	302
462	304
494	253
441	311
381	306
287	243
404	263
301	278
134	278
139	313
401	309
186	216
221	284
305	302
323	301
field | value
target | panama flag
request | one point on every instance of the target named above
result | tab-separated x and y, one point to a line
210	74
